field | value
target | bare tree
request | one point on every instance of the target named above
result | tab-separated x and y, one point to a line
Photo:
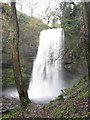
14	42
52	15
32	6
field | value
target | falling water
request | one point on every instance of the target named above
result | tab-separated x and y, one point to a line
46	81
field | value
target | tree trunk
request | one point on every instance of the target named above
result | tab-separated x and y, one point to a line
14	43
87	8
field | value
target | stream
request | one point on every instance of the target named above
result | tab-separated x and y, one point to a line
9	98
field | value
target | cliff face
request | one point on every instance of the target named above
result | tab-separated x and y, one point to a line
75	62
29	36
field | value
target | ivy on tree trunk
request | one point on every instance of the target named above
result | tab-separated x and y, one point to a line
14	43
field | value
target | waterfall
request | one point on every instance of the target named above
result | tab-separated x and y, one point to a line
46	81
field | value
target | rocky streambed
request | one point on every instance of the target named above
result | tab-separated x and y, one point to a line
7	104
33	110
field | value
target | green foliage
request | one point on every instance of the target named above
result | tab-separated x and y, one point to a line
6	10
70	21
36	26
23	18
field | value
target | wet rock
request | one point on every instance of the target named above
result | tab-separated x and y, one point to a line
7	104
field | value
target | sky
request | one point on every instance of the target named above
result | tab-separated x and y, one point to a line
38	5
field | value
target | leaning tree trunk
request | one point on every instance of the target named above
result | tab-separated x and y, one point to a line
87	9
14	42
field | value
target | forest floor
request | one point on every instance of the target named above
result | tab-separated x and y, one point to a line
72	103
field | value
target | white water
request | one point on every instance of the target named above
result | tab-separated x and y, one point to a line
47	80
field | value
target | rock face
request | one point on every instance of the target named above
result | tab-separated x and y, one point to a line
26	56
6	60
74	63
7	104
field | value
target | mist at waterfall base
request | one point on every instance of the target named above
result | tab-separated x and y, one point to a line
47	78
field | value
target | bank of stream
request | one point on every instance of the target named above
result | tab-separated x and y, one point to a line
10	99
74	105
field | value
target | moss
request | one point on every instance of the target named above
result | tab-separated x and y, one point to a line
60	98
83	94
0	117
68	107
24	102
12	113
8	77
